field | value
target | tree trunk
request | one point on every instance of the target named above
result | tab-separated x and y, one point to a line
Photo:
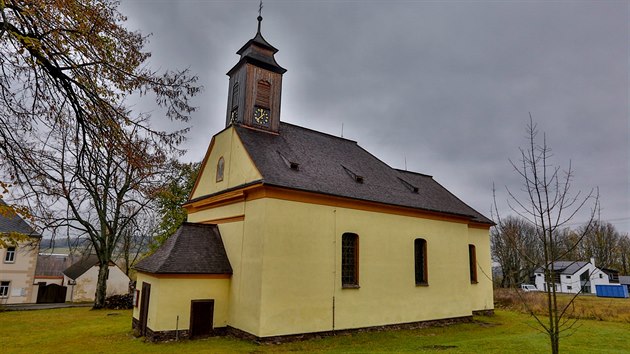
101	285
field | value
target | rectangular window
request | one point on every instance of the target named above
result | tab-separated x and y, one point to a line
472	262
420	258
4	288
9	257
350	260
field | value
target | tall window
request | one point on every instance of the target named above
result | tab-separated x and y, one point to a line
472	261
9	257
350	260
263	94
4	288
220	168
420	257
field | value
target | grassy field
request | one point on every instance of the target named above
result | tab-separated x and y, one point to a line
81	330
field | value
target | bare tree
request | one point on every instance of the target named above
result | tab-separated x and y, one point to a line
514	248
67	138
90	188
548	204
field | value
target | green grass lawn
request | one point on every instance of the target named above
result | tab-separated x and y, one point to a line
81	330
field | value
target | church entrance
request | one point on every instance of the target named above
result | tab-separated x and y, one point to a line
201	318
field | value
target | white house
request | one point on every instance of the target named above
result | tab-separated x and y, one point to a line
82	276
573	276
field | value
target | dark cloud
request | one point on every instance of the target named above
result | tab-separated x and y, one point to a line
446	86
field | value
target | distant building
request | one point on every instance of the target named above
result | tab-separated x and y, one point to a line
17	262
82	276
573	277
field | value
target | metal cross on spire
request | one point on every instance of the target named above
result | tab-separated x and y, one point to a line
260	7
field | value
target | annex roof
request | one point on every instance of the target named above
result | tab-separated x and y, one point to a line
193	249
565	267
308	160
15	224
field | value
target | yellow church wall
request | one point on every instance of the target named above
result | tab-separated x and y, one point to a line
302	266
238	167
177	292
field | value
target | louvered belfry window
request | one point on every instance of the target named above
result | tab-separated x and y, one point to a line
263	94
350	260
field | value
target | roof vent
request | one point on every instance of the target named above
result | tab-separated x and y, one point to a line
291	164
410	186
357	178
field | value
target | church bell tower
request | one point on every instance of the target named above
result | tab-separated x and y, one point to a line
255	86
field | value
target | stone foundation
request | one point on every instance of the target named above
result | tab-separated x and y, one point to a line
484	312
164	336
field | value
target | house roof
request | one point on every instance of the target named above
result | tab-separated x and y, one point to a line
194	248
53	264
15	224
624	279
565	267
308	160
81	266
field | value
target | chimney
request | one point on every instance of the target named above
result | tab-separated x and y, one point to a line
593	261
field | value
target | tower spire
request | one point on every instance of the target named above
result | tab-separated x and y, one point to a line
260	6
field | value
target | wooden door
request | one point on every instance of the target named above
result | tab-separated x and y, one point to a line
201	317
144	307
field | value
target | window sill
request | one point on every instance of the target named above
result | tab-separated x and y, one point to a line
474	282
422	284
350	286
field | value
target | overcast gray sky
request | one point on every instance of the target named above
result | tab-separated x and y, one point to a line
445	86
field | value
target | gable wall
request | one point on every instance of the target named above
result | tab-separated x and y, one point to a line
85	288
238	167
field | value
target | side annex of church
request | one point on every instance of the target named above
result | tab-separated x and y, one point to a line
294	232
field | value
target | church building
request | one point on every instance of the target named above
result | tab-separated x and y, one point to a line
293	232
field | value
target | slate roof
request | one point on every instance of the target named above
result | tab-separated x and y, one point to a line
565	267
81	266
15	224
193	249
330	165
53	264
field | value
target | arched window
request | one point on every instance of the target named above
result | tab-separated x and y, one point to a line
263	94
220	168
420	260
350	260
472	262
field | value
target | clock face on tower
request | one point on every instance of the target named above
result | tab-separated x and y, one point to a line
262	116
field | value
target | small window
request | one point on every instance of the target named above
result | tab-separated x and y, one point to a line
220	168
568	277
4	288
9	257
472	261
601	275
420	258
350	260
569	287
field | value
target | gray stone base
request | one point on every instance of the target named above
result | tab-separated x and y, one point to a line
164	336
484	312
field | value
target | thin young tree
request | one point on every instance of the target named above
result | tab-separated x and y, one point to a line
548	204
